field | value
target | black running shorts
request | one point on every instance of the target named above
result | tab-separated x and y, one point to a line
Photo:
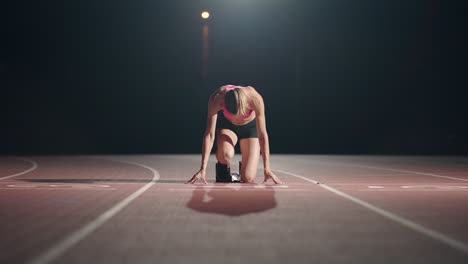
248	130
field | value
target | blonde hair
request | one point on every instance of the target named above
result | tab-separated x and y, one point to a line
236	101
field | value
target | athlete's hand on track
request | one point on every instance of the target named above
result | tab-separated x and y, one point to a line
199	175
270	175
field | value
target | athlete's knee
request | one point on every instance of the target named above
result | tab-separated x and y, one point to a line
249	180
224	156
248	177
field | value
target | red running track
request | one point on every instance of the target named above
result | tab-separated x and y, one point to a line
136	209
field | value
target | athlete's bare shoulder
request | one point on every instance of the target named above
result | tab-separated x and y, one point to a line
253	93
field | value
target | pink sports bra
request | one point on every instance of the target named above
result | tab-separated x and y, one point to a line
226	112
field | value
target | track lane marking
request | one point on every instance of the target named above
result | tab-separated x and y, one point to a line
341	164
403	221
61	247
410	172
33	167
248	190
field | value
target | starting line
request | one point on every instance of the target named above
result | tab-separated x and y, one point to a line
418	188
238	187
57	186
234	186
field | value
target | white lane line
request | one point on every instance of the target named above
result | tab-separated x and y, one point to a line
410	190
396	184
403	221
60	248
70	189
33	167
411	172
238	186
341	164
242	190
298	176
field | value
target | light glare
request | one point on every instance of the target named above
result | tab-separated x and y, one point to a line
205	15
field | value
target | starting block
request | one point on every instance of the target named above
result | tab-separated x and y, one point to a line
224	174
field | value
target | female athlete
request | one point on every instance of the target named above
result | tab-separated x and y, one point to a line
236	113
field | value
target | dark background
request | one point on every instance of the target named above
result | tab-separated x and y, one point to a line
361	77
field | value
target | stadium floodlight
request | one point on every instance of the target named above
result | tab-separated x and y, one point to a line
205	14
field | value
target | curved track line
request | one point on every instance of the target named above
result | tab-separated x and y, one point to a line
34	166
60	248
403	221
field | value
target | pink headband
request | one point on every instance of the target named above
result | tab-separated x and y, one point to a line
231	87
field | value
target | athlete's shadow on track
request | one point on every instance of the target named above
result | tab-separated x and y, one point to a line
232	200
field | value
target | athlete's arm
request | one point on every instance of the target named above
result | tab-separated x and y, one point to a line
209	135
208	138
259	108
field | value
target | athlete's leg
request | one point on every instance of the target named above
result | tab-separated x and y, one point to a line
250	149
226	140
